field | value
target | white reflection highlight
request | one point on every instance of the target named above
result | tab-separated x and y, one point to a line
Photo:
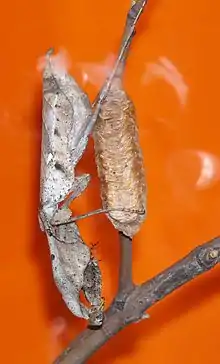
193	169
96	72
209	170
60	61
57	329
58	326
166	70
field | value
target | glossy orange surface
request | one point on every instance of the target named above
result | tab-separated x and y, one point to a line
173	77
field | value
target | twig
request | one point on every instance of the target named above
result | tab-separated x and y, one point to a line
140	298
132	19
125	283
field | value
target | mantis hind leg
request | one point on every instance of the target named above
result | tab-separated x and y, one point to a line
63	214
72	219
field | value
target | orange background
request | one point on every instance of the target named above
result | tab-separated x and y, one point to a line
172	75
